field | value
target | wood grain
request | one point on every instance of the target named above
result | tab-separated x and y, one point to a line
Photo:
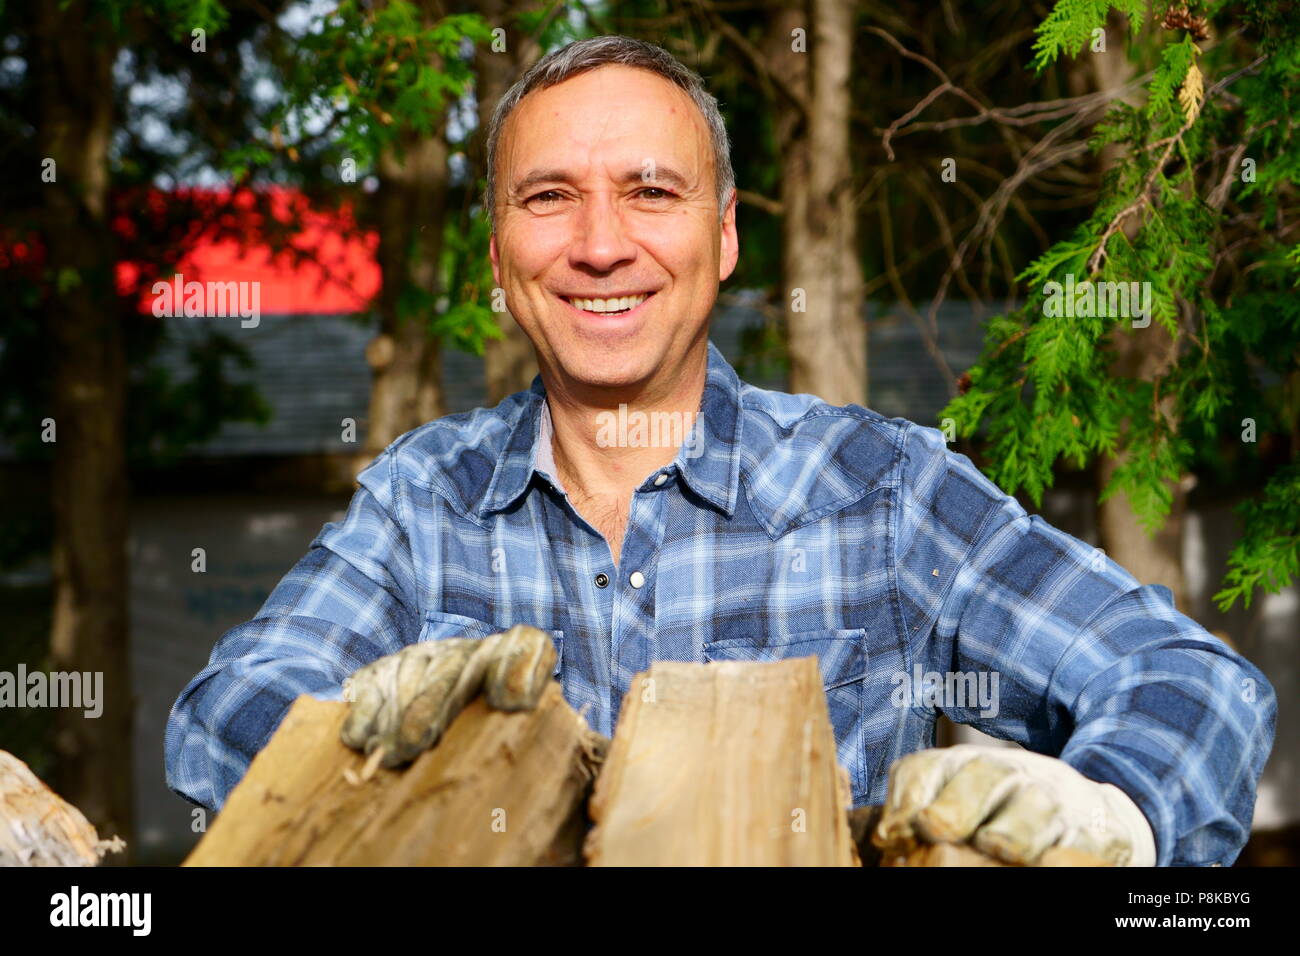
724	764
498	789
40	828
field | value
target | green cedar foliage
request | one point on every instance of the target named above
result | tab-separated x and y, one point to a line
1222	276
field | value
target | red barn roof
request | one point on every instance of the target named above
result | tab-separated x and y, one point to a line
326	265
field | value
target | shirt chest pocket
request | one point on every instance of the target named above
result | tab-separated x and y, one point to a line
439	625
842	659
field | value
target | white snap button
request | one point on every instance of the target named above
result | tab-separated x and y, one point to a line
661	479
636	579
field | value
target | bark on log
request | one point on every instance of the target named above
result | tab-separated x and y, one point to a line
40	828
498	789
729	763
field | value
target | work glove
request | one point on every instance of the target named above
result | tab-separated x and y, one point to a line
1011	805
404	701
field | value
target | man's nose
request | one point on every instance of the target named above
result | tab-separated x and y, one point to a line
600	240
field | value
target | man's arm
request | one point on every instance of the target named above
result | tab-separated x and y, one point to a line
348	601
1093	667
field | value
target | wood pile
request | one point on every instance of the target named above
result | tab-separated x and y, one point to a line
727	763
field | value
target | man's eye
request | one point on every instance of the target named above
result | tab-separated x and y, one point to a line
554	194
664	194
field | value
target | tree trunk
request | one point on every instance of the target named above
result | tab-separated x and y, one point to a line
406	388
821	272
1142	355
89	481
509	362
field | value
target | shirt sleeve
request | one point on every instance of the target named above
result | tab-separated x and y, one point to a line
1091	666
348	601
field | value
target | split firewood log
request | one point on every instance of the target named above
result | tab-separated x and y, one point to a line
40	828
498	789
731	763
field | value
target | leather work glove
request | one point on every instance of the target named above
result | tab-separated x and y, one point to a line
404	701
1009	804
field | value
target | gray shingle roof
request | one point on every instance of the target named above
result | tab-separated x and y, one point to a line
313	373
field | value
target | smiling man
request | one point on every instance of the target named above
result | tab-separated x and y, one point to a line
494	550
614	223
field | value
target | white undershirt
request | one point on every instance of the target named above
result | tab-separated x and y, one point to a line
545	454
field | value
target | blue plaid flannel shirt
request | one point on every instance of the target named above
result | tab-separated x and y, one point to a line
794	528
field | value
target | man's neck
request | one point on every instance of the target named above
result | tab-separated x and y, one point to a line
606	445
603	446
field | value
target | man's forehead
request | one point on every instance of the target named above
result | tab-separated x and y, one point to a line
625	123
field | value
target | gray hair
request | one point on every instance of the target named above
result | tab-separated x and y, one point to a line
582	56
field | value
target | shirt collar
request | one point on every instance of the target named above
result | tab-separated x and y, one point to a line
514	469
708	462
711	464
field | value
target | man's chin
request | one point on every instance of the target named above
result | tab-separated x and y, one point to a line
607	379
608	368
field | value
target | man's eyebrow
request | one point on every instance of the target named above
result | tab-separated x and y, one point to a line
662	175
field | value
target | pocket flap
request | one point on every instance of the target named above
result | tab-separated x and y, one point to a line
439	625
841	653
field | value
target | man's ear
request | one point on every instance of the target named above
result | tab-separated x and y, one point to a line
492	254
730	250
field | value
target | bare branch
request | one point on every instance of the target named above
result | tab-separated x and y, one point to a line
758	201
751	53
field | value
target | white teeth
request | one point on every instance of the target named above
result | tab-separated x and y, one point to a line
610	305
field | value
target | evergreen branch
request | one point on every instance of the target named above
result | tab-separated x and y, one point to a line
1268	554
1143	198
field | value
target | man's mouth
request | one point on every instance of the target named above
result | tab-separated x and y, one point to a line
615	305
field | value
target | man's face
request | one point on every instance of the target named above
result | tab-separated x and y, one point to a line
607	191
